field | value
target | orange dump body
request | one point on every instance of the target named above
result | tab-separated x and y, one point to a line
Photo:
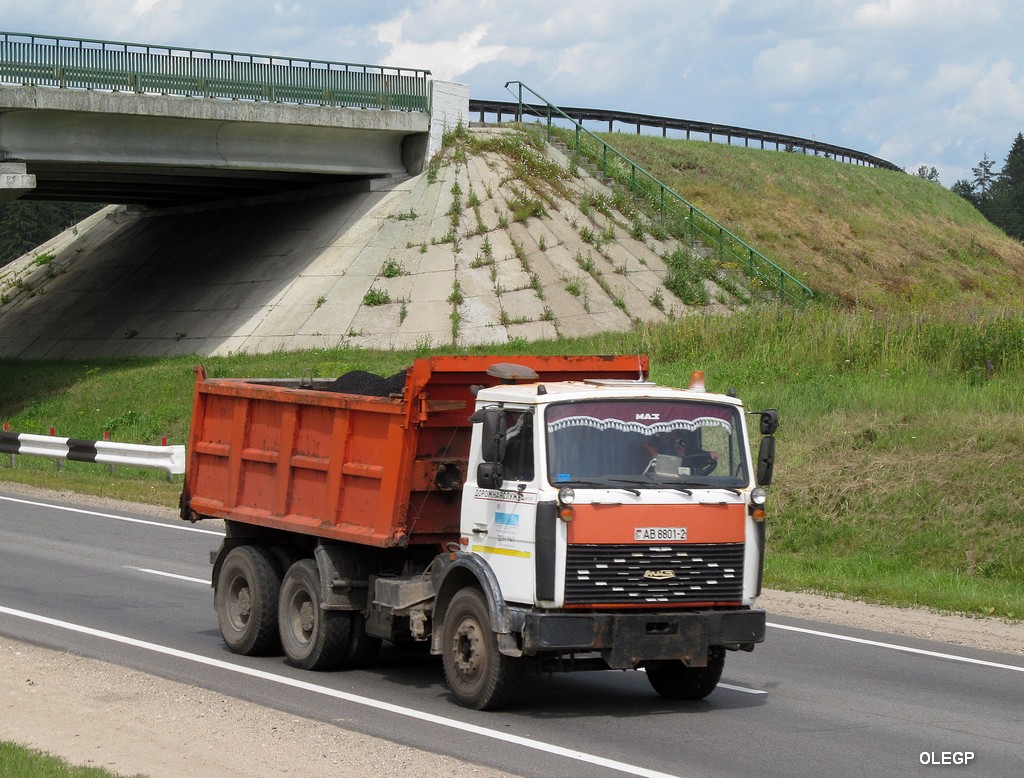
381	471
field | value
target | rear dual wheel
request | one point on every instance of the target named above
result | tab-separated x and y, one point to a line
258	614
313	638
245	598
362	647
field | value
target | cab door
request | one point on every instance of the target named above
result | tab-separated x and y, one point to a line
503	527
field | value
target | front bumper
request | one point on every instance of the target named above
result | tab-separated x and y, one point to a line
626	640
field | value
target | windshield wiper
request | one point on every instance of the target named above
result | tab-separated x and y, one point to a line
677	487
694	485
605	483
649	479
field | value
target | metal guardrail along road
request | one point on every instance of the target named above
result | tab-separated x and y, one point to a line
689	127
170	459
81	63
676	213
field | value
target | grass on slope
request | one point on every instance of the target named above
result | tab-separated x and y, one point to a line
898	475
876	238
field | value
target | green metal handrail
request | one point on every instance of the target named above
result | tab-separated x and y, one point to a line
677	213
80	63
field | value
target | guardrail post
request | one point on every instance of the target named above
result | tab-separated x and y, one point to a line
60	462
170	478
10	457
106	436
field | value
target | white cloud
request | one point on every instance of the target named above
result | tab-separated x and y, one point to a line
800	66
998	94
911	15
446	59
952	78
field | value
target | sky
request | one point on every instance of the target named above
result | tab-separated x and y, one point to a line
916	82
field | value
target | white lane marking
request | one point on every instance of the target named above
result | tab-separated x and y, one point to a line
896	647
740	688
151	571
525	742
165	525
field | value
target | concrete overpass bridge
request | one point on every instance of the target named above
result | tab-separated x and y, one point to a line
283	209
99	121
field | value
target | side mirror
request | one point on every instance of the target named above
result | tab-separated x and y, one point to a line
492	433
769	421
490	475
766	461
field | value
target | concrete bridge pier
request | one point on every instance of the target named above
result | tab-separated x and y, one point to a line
15	180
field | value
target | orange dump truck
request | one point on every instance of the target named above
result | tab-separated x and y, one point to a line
518	513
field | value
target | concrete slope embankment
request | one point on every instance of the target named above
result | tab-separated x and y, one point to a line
446	257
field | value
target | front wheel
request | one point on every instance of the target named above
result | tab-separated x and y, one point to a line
675	680
479	675
245	599
313	638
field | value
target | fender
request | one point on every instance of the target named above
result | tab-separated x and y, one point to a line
452	572
343	579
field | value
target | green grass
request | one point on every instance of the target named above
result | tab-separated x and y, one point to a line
856	235
898	476
24	762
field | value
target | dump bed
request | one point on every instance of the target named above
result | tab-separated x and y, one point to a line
378	470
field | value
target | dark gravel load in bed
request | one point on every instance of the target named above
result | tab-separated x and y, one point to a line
369	384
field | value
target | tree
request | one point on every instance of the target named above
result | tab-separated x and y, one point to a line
928	173
26	224
983	177
965	189
1007	194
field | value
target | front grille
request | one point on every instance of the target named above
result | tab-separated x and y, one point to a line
614	575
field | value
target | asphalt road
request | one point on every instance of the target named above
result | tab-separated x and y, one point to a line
814	699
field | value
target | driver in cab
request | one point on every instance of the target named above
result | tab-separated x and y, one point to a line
698	461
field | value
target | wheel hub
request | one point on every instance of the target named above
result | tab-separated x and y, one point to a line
242	604
467	649
306	618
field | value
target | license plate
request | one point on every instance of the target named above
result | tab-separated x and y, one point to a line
645	534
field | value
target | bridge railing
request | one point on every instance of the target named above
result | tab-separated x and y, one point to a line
677	214
81	63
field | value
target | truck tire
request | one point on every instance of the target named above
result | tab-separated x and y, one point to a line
362	647
313	638
675	680
479	675
245	599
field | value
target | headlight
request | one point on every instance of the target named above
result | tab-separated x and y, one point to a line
566	495
759	496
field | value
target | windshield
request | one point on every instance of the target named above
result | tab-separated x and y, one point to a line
645	443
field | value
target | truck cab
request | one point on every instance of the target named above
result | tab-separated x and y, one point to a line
620	524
